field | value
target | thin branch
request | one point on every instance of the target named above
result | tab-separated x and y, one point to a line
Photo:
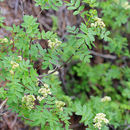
40	76
14	122
7	122
3	103
27	119
38	15
24	86
16	7
22	7
62	76
106	56
40	81
44	24
57	68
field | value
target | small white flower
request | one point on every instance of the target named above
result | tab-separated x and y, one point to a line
20	57
46	85
40	98
98	125
92	25
11	71
61	108
14	64
106	121
54	43
106	99
49	93
98	23
44	91
99	120
51	44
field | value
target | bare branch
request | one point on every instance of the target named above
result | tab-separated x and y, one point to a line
27	119
40	76
107	56
3	103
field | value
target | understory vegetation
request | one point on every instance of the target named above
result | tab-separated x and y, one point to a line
83	73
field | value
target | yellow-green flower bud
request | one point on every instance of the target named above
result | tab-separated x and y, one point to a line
11	71
28	100
60	105
106	99
14	64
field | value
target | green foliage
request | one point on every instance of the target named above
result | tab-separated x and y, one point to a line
39	99
55	23
115	15
99	77
94	106
17	68
47	4
1	21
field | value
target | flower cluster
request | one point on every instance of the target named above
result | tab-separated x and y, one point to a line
126	5
54	43
106	99
11	71
28	100
4	40
99	120
98	23
14	65
60	105
44	91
